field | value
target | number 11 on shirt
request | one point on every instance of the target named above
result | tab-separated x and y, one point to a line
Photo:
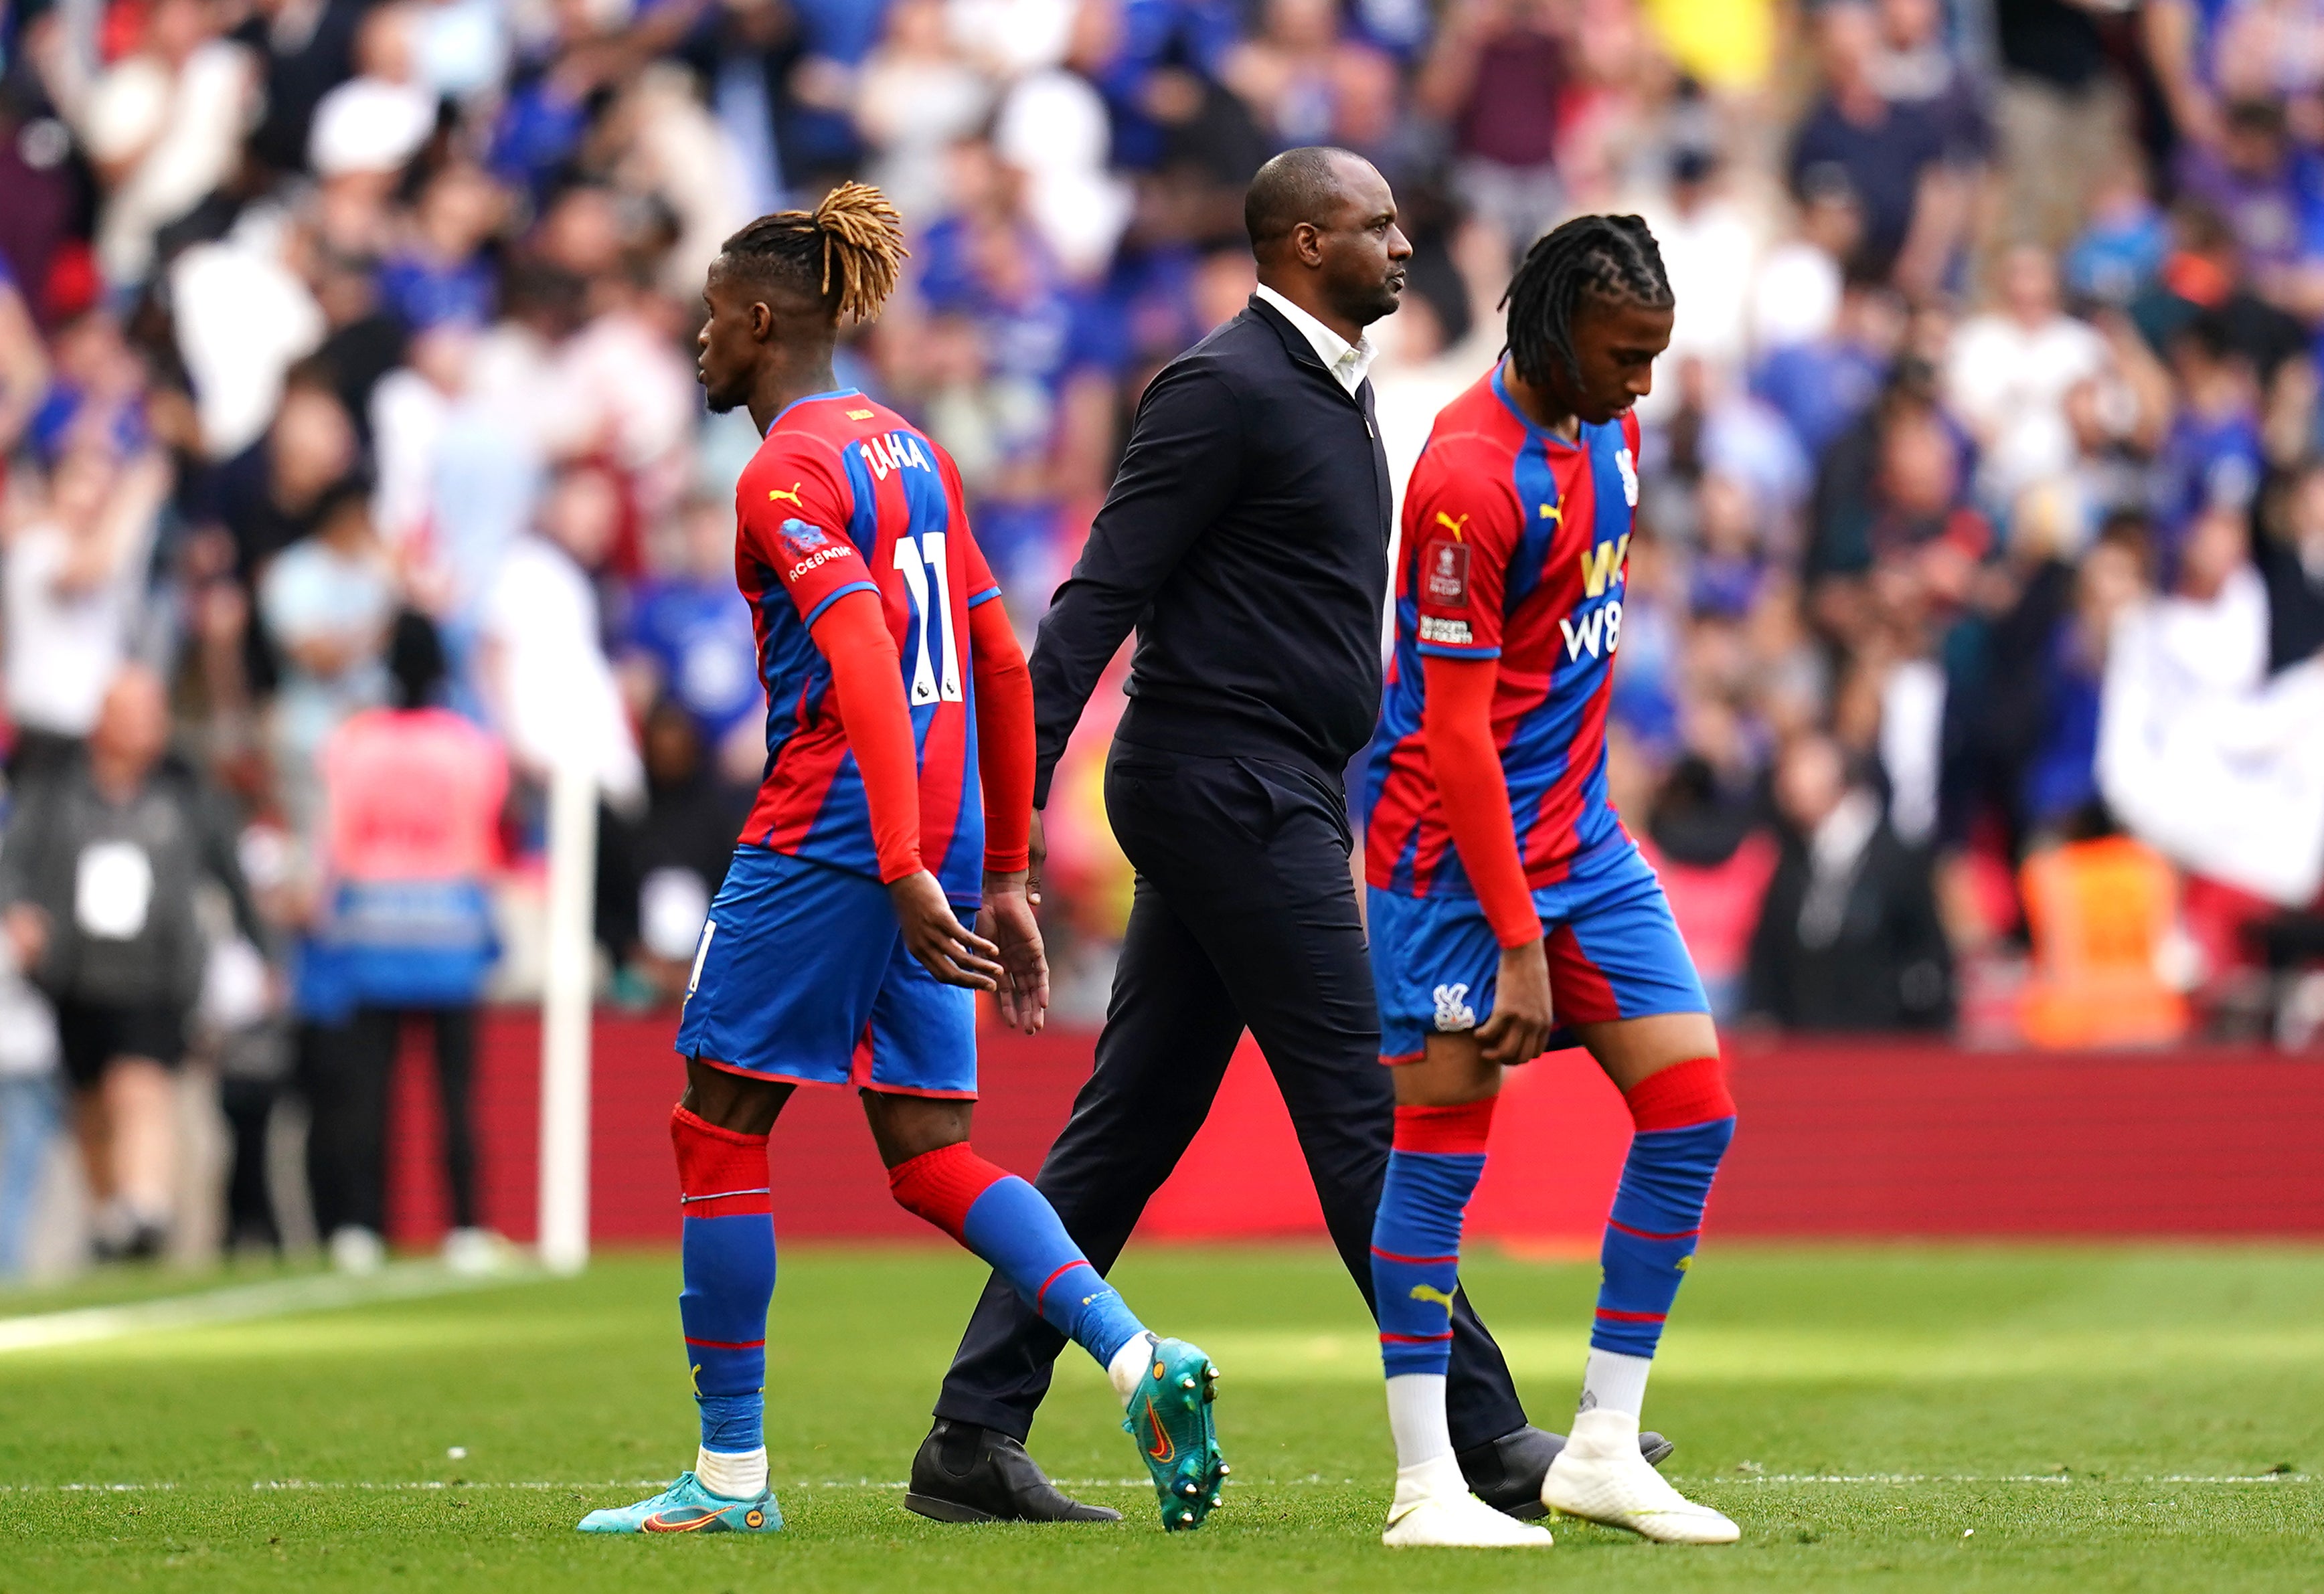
916	559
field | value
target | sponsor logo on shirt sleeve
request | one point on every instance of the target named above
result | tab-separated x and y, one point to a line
809	545
802	538
1454	633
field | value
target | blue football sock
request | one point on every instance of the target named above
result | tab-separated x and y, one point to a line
726	1250
1684	1119
1438	1157
1012	1226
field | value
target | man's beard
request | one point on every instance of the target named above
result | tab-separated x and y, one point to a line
1384	303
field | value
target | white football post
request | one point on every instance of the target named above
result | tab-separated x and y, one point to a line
566	999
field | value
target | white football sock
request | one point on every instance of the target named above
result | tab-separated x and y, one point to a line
1129	1365
1616	1382
1415	1417
739	1475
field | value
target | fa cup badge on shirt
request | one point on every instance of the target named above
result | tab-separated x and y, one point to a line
1445	568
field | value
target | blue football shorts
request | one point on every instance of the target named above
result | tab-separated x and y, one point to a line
802	976
1614	953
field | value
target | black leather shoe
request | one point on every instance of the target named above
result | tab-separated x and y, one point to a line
965	1473
1507	1473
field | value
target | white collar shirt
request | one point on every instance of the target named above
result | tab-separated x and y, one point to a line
1347	361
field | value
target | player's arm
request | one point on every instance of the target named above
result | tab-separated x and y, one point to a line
810	554
1182	467
867	680
1003	692
1460	608
1004	756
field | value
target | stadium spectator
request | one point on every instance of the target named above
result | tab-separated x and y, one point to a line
657	872
1848	937
918	92
326	602
30	1112
1710	251
404	936
1795	293
1051	126
252	1047
2266	188
375	121
74	585
2124	241
2061	115
2010	371
2191	726
2026	743
23	364
686	635
268	496
544	670
1892	158
439	273
162	126
1822	384
2212	458
97	877
304	51
1916	64
1497	75
2290	553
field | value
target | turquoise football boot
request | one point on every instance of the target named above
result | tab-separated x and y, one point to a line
1170	1418
687	1508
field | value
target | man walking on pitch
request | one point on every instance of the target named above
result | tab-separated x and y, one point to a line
835	952
1504	889
1246	537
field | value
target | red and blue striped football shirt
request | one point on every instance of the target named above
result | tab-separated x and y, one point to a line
1516	546
843	496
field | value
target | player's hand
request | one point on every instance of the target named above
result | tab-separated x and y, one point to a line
946	947
1007	921
1521	1021
1036	855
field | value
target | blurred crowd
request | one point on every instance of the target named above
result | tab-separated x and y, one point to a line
355	474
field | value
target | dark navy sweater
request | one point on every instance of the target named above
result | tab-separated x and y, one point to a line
1246	538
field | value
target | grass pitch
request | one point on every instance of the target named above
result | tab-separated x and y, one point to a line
1926	1418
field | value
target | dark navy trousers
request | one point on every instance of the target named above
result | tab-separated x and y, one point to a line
1244	917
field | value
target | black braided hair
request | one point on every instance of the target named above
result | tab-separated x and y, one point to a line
845	253
1612	256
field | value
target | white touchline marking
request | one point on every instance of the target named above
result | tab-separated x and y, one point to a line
2050	1478
400	1280
431	1485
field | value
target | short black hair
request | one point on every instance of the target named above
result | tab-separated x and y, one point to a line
350	492
415	659
1613	256
1298	185
844	254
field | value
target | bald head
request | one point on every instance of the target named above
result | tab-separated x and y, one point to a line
133	723
1323	228
1298	185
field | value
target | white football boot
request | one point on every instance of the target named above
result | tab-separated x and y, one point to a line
1600	1476
1435	1510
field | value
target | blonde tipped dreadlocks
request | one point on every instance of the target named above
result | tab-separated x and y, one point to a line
846	252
